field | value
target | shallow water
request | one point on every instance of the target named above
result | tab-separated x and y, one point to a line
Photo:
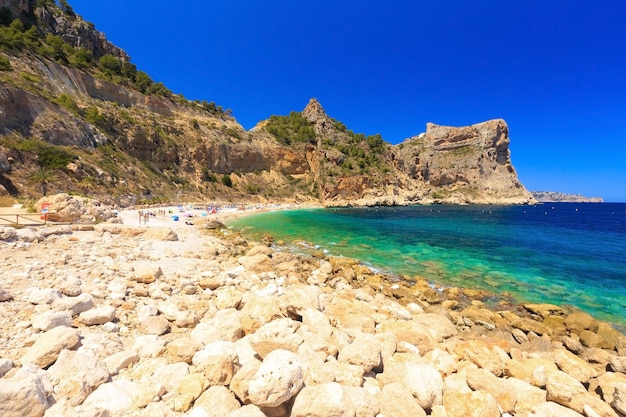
561	253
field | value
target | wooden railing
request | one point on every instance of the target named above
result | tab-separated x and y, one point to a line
21	219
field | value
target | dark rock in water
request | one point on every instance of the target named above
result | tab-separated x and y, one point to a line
215	224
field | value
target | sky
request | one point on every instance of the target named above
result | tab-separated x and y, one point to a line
554	70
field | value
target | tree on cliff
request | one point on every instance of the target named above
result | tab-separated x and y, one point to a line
42	178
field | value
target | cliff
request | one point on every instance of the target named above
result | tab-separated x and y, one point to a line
470	164
88	122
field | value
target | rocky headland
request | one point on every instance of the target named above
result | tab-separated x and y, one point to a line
128	317
557	197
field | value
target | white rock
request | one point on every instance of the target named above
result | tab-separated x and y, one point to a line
249	410
23	396
619	398
218	361
5	366
75	305
98	315
365	404
48	346
155	325
36	295
217	401
278	379
396	400
120	360
149	346
75	375
5	295
322	401
51	319
550	409
425	383
364	351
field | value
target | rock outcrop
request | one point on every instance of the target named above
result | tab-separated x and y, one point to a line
128	142
557	197
470	164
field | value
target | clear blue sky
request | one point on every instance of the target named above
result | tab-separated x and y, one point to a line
554	70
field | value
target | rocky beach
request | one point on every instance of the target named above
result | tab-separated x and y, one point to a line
110	315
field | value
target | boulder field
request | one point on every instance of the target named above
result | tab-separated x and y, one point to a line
114	319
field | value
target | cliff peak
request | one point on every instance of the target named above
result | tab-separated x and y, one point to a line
314	111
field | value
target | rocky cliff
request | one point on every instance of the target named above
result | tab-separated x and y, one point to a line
89	126
470	164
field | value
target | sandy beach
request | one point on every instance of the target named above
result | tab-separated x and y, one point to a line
168	318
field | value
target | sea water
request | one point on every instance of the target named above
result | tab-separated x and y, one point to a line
559	253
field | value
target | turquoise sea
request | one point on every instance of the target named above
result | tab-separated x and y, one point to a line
560	253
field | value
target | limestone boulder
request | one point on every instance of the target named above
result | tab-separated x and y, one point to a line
5	366
441	327
277	334
75	305
216	401
618	364
249	410
472	404
38	296
51	319
98	315
187	391
120	360
483	354
257	311
619	398
154	325
574	366
182	349
411	332
49	345
8	234
579	321
75	375
121	397
218	361
23	396
324	400
366	402
364	351
425	383
278	379
146	273
552	409
5	295
482	380
241	380
396	401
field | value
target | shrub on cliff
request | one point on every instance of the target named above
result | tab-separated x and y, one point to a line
291	129
5	64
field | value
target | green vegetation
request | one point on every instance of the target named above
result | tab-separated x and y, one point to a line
227	181
93	116
49	156
291	129
42	178
67	101
5	64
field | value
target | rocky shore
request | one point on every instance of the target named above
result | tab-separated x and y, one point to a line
174	319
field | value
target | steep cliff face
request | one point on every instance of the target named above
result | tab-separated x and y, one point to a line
470	164
101	136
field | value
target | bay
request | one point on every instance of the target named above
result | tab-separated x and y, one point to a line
560	253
